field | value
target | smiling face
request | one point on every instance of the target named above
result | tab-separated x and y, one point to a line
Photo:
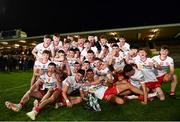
164	52
78	76
51	68
47	41
90	74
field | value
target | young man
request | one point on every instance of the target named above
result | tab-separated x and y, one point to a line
70	89
116	58
46	45
38	90
53	85
166	63
147	66
40	66
136	78
57	44
101	68
123	45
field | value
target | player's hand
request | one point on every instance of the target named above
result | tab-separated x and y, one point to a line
167	77
69	104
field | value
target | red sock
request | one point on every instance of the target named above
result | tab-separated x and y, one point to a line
172	93
37	109
22	104
141	97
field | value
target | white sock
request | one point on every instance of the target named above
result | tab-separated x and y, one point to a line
132	97
152	94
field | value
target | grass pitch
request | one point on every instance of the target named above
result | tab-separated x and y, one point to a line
13	85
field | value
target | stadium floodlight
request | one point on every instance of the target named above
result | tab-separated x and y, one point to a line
16	45
4	43
113	33
22	41
151	35
155	30
33	44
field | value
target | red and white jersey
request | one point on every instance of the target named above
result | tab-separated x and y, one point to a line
58	46
72	83
99	91
40	48
165	64
103	57
48	81
84	51
42	66
71	62
59	64
147	69
137	78
118	61
125	47
102	72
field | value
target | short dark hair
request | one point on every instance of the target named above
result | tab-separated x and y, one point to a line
47	36
90	51
56	34
81	71
98	59
87	41
47	52
86	62
127	68
76	62
61	51
89	70
52	64
105	46
115	45
165	47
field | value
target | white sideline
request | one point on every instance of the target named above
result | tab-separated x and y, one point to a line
5	90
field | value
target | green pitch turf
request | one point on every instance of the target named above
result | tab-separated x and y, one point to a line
13	85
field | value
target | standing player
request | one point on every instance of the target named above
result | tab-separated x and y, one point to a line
40	66
46	45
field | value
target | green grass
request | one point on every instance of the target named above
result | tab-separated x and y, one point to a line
14	85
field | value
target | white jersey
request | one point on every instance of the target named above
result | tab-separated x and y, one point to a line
40	48
137	78
118	61
71	62
165	64
58	46
48	81
102	72
147	69
59	64
72	83
42	66
103	57
98	90
125	47
84	51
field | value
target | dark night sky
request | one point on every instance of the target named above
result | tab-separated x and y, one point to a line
38	17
